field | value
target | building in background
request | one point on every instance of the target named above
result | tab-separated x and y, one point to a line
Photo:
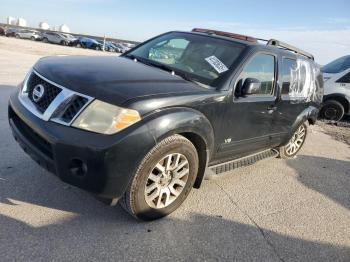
64	28
44	26
11	20
21	22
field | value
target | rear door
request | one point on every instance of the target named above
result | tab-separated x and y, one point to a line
248	119
295	78
50	37
54	38
24	34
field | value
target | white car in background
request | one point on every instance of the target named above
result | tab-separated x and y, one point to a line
336	100
28	34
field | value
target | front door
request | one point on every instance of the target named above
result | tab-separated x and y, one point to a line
248	119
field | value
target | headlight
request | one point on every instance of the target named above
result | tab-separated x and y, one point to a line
105	118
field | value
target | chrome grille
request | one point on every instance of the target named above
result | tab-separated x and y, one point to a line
57	103
73	108
50	92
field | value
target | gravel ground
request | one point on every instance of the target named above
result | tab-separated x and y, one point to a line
339	130
275	210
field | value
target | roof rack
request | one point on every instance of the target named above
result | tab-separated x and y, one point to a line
271	42
226	34
280	44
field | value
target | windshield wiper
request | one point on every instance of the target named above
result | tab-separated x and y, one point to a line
185	77
151	63
158	65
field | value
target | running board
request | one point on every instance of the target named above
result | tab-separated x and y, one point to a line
215	171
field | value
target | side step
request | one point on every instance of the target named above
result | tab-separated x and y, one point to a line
215	171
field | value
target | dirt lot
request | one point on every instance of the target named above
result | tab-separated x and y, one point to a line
276	210
339	130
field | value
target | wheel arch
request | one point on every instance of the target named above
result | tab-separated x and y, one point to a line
203	154
341	98
191	124
309	115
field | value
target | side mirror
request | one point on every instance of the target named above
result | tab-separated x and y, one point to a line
251	86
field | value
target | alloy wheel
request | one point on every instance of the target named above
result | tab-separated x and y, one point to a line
296	141
167	180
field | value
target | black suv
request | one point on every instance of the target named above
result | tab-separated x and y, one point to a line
148	126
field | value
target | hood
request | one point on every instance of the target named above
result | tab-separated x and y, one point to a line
112	79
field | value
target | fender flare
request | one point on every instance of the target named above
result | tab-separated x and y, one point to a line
172	121
308	114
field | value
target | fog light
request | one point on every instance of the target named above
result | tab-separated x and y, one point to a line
77	167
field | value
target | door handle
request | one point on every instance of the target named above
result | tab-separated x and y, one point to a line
271	109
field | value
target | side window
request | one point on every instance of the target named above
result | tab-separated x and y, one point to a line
289	71
262	69
168	52
297	78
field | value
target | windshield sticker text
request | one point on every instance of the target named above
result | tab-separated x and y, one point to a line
216	64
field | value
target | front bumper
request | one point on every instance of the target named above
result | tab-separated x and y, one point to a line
102	164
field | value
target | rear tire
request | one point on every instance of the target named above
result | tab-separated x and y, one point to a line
17	36
163	180
332	110
295	143
32	38
45	40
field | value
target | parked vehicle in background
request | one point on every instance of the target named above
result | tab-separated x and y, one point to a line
336	100
129	45
108	46
58	38
11	32
28	34
85	42
145	129
120	48
2	31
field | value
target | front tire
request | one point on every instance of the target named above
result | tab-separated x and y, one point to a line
163	180
295	143
332	110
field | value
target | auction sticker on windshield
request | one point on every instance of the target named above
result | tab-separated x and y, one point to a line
216	64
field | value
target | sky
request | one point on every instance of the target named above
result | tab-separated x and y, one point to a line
320	27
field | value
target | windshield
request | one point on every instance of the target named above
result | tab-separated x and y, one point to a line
68	36
200	58
337	65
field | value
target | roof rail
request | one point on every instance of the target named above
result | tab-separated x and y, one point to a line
280	44
226	34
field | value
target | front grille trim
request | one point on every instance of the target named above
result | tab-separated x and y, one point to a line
51	92
57	107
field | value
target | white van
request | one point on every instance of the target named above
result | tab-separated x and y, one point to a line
336	100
